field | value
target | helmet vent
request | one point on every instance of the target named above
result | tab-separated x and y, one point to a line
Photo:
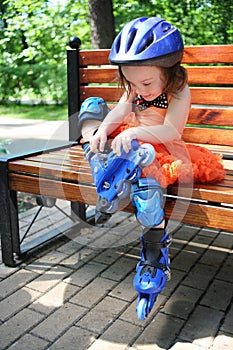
166	27
145	44
131	37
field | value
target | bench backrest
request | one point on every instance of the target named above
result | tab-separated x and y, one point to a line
210	76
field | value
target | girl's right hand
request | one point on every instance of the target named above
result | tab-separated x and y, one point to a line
98	141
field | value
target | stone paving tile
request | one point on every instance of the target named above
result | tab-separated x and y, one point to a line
161	332
116	337
79	258
54	298
218	295
119	269
186	232
186	255
56	323
182	302
186	346
16	281
225	272
222	341
17	326
202	326
16	302
200	275
227	325
224	240
49	279
93	292
124	290
29	341
86	273
74	339
104	313
213	256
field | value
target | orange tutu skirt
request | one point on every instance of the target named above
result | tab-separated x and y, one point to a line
183	163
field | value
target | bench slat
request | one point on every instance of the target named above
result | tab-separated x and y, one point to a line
211	192
197	75
210	75
199	95
198	214
193	213
60	172
208	116
208	136
192	54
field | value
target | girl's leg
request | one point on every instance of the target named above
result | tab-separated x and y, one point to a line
92	113
152	271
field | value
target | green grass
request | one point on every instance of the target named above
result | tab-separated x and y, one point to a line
46	112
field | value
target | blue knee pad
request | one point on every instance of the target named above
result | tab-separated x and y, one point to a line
93	108
147	199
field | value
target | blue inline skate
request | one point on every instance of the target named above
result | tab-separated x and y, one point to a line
114	174
152	271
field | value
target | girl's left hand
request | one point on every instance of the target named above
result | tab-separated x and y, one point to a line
123	140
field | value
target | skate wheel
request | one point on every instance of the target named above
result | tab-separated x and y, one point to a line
111	207
141	309
123	189
150	154
135	176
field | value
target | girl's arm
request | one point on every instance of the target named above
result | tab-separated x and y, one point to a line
174	123
111	122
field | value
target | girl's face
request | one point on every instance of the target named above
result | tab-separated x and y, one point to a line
146	81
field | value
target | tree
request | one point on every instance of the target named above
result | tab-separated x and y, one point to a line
102	23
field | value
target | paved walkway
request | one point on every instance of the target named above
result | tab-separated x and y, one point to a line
28	134
77	294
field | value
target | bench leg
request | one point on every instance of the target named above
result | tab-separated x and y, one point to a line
9	226
78	210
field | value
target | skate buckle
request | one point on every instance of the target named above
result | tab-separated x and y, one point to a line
106	185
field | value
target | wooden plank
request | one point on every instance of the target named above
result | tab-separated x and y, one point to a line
200	215
192	54
211	116
204	96
212	96
196	214
197	75
208	136
210	75
94	57
108	93
67	173
205	192
208	54
99	75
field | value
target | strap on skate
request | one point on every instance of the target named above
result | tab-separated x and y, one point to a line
159	245
152	266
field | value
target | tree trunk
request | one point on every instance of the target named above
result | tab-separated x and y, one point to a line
102	23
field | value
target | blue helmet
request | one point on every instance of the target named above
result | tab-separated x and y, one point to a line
147	41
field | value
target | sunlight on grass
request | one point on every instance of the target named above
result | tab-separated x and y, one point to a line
46	112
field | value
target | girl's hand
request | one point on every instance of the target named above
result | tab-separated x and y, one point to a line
98	141
123	140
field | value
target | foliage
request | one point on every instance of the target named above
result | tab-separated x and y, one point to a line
25	111
34	35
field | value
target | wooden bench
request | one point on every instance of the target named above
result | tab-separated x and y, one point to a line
63	173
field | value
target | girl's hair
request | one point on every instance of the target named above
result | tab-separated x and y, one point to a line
175	78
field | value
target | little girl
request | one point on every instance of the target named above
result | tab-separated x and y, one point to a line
154	108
